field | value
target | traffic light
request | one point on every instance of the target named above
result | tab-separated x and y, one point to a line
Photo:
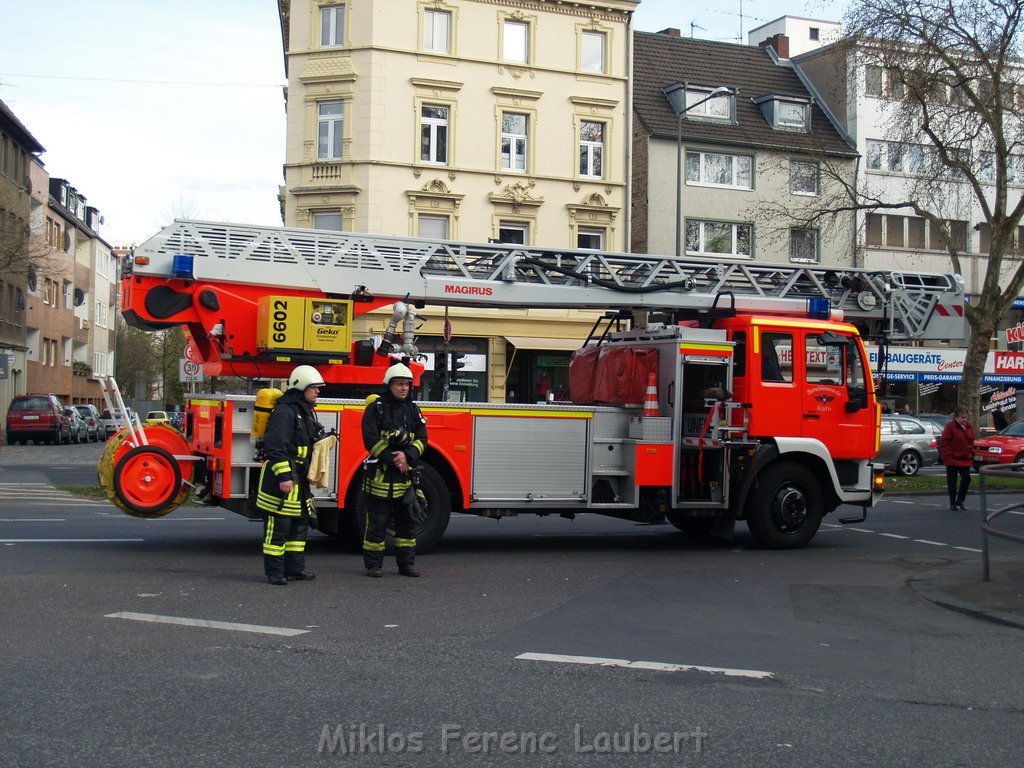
441	362
458	361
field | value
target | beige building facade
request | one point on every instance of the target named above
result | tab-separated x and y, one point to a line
471	120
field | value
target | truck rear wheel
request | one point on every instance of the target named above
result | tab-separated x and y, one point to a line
439	510
785	508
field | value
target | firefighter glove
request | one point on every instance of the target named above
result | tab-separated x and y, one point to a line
399	438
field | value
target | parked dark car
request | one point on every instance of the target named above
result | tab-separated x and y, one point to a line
907	444
79	429
92	419
39	418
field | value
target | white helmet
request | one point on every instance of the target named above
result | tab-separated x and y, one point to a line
305	376
397	371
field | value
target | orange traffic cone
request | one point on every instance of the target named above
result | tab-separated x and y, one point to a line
651	396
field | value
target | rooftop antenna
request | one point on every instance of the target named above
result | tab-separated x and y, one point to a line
694	26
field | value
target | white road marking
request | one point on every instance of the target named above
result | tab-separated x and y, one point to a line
894	501
933	543
894	536
655	666
230	625
861	530
64	541
33	520
968	549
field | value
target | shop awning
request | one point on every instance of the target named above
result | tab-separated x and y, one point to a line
547	345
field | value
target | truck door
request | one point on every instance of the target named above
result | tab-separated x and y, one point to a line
778	397
834	406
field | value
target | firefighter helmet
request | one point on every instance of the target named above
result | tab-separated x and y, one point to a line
397	371
305	376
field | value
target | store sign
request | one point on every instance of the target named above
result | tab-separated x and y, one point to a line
946	365
1015	335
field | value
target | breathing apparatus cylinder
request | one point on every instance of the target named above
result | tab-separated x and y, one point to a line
266	399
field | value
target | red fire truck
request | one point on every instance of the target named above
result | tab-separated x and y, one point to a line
711	391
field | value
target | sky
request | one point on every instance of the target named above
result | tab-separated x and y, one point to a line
156	110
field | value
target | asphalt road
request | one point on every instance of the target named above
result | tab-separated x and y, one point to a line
528	641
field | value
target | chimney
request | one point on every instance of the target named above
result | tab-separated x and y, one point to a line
779	42
670	31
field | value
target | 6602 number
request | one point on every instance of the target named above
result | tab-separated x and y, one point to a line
280	318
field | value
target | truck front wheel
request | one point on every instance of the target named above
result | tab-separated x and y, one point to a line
785	508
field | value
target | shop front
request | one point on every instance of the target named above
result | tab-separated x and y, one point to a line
927	379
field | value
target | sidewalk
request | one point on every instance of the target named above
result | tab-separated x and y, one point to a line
960	588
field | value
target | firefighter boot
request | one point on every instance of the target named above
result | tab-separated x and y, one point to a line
273	566
373	561
295	567
406	557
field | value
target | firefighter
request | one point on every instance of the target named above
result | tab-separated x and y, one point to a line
284	496
395	434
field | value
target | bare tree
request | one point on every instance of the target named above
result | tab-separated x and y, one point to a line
24	254
950	76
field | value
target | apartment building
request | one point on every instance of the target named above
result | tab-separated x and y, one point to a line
18	152
71	296
728	147
469	120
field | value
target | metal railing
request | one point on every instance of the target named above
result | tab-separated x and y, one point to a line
1013	471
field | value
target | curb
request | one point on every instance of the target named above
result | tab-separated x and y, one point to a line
926	589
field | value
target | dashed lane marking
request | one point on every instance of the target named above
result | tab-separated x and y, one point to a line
933	543
33	520
228	625
893	536
968	549
656	666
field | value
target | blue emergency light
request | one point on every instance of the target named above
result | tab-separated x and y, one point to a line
181	266
819	308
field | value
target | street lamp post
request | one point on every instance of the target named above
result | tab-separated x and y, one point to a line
676	95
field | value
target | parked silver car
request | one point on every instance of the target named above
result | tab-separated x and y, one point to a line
907	444
92	419
109	425
79	426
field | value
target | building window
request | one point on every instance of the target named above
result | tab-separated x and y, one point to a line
327	220
591	149
719	237
515	41
894	231
719	170
330	121
590	238
434	227
513	232
437	31
66	295
803	245
718	108
513	141
814	33
332	26
873	81
803	177
592	46
434	134
101	315
791	114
